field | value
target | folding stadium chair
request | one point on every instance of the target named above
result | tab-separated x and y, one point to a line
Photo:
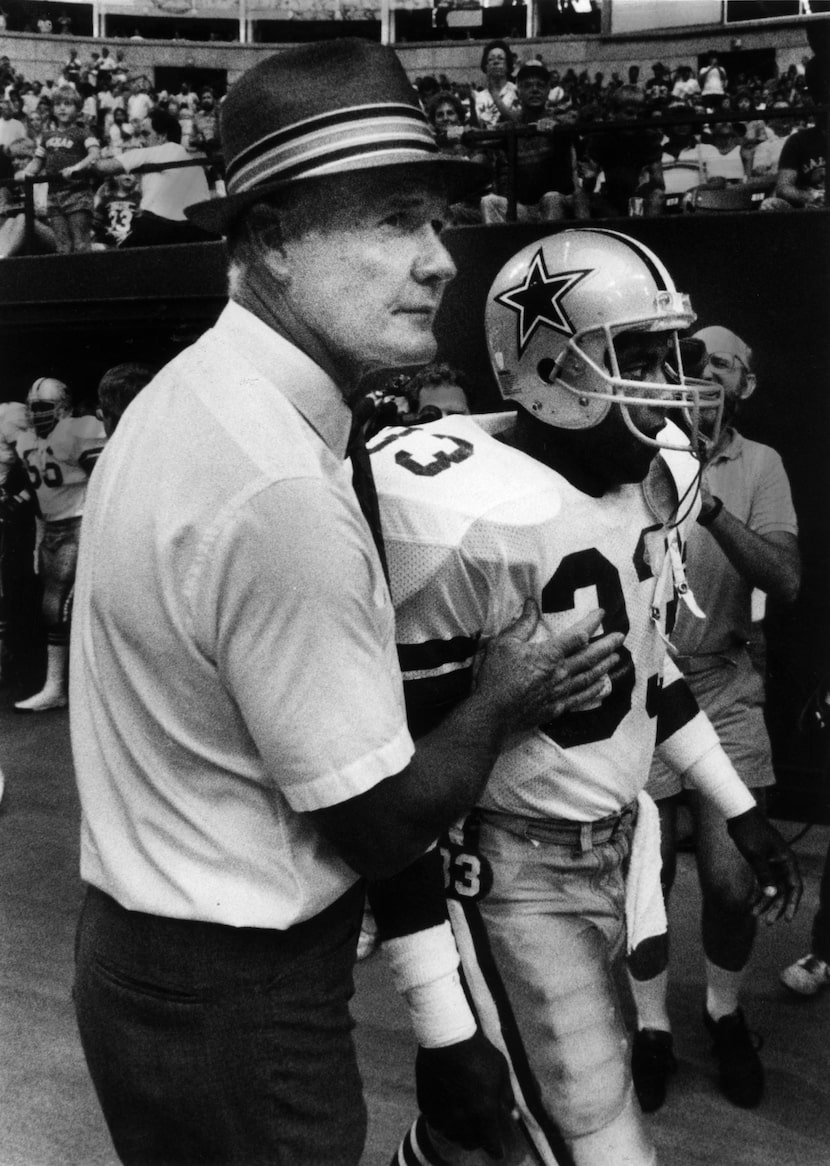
678	177
744	197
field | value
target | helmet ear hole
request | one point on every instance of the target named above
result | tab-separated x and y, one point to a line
546	368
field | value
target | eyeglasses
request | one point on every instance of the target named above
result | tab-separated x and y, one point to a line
724	361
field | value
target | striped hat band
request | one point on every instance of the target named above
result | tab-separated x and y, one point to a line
359	136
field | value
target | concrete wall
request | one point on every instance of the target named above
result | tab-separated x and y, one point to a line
41	57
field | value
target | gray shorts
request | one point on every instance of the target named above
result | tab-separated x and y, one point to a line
730	690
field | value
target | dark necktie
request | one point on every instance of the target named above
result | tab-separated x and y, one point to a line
364	487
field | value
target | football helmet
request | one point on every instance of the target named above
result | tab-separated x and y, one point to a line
47	402
552	314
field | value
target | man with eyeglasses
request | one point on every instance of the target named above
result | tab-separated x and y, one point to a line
745	544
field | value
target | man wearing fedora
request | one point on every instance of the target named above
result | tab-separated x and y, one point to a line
238	724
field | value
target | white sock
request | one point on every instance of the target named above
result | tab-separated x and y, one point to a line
722	990
650	1001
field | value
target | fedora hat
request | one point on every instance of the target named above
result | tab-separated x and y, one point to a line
317	111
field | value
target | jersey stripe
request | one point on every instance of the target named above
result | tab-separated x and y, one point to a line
489	995
677	706
433	655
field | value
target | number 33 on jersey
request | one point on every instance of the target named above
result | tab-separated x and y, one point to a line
472	527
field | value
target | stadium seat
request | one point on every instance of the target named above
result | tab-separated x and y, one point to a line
729	198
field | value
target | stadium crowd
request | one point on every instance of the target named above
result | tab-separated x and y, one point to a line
569	164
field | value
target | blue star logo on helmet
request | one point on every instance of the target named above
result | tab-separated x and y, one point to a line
539	300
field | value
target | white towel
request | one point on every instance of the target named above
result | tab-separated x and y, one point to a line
645	910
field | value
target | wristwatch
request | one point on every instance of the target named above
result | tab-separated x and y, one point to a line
706	518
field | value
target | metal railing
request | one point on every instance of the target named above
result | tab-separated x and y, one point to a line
507	134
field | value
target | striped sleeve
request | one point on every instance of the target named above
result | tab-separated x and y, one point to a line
437	674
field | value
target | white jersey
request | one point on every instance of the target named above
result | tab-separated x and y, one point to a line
59	464
472	528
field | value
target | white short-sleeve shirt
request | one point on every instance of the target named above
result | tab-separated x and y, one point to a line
233	654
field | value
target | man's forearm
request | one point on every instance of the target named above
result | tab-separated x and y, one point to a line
773	566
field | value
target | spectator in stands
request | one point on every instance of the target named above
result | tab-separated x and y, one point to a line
498	101
120	385
658	86
187	98
629	159
47	119
446	116
65	24
11	128
205	132
65	153
35	126
29	93
120	74
681	163
685	84
713	82
801	172
106	66
44	23
722	158
556	93
680	140
7	76
139	102
89	72
119	133
71	71
116	204
546	183
767	154
164	193
106	102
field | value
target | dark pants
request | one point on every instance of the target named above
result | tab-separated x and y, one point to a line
213	1044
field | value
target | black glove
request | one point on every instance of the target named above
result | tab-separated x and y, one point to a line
772	861
464	1092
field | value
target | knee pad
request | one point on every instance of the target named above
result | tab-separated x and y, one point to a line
623	1141
589	1075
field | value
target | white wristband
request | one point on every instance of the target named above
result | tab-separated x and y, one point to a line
716	778
440	1013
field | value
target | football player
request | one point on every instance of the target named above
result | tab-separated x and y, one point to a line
58	453
579	499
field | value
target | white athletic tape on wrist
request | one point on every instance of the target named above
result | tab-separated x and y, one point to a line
715	776
424	968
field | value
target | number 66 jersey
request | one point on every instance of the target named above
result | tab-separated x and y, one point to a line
60	463
472	528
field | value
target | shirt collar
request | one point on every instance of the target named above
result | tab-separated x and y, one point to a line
729	445
311	391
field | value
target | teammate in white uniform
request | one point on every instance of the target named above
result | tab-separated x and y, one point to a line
58	453
569	503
